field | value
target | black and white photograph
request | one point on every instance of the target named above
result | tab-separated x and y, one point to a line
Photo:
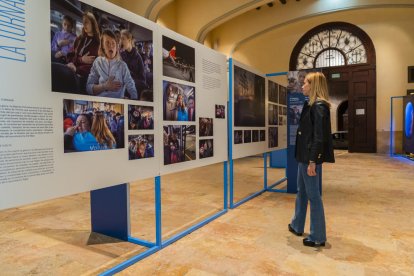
85	40
178	60
140	117
247	136
206	148
238	137
249	98
273	137
205	126
92	126
273	89
140	146
179	102
179	143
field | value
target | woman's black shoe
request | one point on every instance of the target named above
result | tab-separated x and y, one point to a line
308	242
293	231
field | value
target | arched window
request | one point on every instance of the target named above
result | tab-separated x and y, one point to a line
332	44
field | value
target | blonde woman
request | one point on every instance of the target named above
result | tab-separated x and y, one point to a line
313	147
102	133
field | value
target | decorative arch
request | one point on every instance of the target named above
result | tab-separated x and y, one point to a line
332	44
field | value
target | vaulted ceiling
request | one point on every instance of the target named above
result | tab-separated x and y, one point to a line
231	23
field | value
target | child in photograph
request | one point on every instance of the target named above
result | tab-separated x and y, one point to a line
101	132
134	61
182	114
86	49
110	76
146	121
132	150
62	43
147	59
170	105
79	136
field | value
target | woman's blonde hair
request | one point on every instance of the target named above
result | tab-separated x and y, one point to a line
101	131
318	88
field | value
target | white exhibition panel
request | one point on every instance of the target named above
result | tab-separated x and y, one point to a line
26	96
252	148
210	84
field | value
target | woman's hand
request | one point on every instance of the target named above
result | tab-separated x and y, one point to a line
312	169
87	59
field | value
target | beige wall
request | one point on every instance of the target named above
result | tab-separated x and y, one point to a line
167	17
392	32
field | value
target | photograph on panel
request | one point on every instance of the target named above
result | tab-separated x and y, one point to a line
282	120
238	137
273	137
206	148
179	102
282	95
178	60
296	79
247	136
205	126
408	126
140	117
273	114
140	146
92	126
262	135
255	135
249	98
179	143
220	111
273	91
96	53
294	113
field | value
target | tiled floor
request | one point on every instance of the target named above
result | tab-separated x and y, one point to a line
368	203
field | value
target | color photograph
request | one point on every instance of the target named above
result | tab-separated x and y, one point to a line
96	53
92	126
179	102
220	111
140	117
178	60
238	137
255	135
179	143
249	98
273	91
205	126
273	137
273	114
282	95
247	136
206	148
140	146
262	135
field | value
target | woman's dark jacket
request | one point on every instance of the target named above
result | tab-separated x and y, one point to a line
313	137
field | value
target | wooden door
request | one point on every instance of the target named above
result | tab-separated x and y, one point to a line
359	82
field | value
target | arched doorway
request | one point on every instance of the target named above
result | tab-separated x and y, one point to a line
346	55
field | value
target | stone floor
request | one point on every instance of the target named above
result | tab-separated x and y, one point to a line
369	211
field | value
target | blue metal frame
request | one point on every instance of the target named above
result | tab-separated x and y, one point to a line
391	124
153	247
265	155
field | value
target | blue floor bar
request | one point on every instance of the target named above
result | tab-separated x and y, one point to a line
131	261
141	242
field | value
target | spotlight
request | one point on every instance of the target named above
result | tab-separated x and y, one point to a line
270	4
258	8
283	2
